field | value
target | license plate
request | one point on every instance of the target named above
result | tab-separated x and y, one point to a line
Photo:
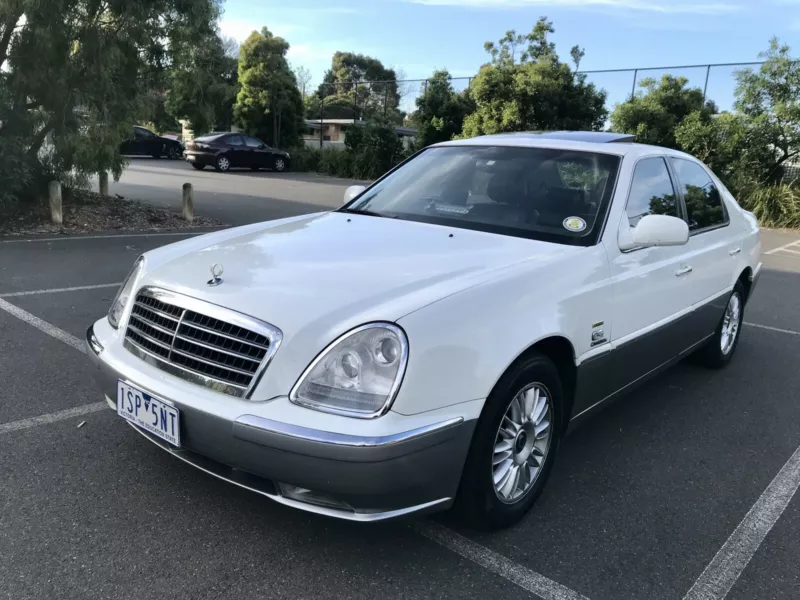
151	414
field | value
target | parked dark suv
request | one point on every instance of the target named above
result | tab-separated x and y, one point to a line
227	150
145	142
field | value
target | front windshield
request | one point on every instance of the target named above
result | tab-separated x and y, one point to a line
540	193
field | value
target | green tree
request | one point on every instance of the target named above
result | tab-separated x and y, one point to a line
654	113
534	91
77	73
440	110
357	87
374	149
770	98
203	84
268	104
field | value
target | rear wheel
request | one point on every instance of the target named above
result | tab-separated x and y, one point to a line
198	166
514	445
223	164
719	350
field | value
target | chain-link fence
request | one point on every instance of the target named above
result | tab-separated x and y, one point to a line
342	104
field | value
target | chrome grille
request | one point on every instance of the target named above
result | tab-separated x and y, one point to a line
227	351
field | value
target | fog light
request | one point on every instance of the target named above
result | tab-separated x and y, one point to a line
306	496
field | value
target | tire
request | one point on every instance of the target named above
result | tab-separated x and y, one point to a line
484	506
174	153
719	350
223	164
198	166
280	164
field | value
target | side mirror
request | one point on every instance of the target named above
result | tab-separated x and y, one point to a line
660	230
352	192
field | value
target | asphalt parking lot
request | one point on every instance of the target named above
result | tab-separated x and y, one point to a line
687	484
237	197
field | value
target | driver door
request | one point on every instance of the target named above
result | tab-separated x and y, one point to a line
651	314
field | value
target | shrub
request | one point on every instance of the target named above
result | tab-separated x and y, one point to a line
775	206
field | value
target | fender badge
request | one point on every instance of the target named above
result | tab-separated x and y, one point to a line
216	275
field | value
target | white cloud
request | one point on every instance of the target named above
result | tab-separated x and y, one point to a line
663	7
240	29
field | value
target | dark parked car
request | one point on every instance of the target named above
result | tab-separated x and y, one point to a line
145	142
225	151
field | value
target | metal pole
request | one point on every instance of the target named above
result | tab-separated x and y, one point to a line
321	110
633	89
705	87
355	101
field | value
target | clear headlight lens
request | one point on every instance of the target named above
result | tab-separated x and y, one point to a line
358	375
124	294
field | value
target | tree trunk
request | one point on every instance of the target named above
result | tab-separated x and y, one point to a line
8	31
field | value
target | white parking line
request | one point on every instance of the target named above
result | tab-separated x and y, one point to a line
768	328
70	238
722	572
784	247
58	290
52	417
44	326
545	588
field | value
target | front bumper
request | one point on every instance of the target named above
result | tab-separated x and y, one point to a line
351	477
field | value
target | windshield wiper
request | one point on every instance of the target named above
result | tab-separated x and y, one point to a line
369	213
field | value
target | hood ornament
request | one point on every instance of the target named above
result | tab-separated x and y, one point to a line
216	275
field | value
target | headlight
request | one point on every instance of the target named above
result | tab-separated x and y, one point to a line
124	294
358	375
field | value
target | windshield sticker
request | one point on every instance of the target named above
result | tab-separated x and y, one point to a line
574	224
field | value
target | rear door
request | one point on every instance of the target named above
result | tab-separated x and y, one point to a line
713	243
651	284
238	153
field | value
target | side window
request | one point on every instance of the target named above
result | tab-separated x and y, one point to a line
651	191
252	142
142	134
234	140
703	202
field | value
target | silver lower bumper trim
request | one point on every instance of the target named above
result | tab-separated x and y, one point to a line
216	469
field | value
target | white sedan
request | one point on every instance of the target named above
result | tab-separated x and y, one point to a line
434	339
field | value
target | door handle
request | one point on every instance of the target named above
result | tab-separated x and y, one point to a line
735	251
683	271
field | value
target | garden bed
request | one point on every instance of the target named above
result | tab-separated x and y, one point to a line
84	212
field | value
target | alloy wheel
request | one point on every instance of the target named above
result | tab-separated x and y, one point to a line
522	443
730	324
280	165
224	164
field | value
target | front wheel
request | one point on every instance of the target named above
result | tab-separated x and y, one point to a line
280	164
174	153
514	445
719	350
223	164
198	166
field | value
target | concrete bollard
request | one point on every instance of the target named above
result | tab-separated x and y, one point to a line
104	183
188	202
54	189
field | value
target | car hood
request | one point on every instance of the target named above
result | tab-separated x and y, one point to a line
320	275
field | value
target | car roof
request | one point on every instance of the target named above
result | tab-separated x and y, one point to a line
618	144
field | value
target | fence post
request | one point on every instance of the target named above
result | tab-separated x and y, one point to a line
188	202
54	189
355	101
705	87
104	183
321	111
633	89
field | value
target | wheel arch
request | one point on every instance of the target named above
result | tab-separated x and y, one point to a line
561	351
745	278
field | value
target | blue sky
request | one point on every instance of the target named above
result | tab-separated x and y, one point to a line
418	36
